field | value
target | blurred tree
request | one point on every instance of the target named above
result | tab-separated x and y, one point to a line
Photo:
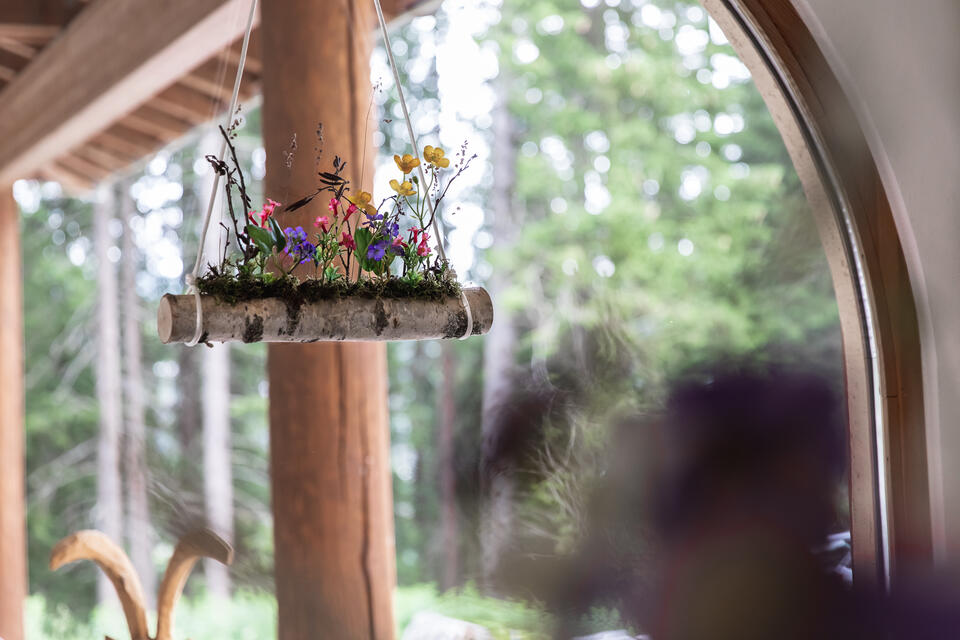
109	506
138	526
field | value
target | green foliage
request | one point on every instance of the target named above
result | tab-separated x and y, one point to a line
61	414
246	616
505	619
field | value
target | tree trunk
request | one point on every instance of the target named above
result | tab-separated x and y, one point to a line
329	437
189	417
446	417
499	345
138	525
109	510
13	546
217	447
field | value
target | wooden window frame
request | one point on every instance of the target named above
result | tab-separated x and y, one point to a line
889	483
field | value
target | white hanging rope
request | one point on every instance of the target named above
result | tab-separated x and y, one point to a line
191	278
413	142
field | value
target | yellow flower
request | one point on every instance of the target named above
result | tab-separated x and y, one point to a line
434	155
407	163
362	200
404	189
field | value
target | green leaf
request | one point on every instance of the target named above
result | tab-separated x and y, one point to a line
280	239
363	237
261	238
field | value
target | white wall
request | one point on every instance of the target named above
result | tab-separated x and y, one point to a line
899	63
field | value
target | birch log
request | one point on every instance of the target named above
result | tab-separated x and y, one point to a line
352	319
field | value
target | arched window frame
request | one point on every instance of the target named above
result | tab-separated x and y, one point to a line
889	483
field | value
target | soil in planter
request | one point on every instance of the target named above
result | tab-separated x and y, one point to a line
294	292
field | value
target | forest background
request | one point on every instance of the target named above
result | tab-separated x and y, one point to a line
633	212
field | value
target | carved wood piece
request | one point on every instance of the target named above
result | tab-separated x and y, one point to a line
202	543
95	546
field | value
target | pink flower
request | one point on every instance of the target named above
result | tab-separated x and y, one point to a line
399	247
352	209
422	248
323	222
264	214
334	203
347	241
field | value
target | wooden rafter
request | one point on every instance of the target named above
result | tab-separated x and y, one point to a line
108	77
152	121
187	103
30	33
168	79
25	51
118	144
101	156
83	167
215	77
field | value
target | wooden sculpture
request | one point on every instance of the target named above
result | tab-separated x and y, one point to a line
95	546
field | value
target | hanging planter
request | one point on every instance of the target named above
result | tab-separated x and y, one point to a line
363	272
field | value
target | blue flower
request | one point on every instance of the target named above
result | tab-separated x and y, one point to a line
392	229
377	250
306	250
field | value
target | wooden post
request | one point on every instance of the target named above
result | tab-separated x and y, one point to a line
13	546
332	502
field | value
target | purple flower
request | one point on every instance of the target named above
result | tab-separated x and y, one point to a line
306	250
392	229
377	250
297	246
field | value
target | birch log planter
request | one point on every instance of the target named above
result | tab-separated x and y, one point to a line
352	318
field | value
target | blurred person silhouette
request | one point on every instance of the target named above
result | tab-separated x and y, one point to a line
706	523
751	461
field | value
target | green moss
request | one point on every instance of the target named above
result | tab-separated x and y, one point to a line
234	289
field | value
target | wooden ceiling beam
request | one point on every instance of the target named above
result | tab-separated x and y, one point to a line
25	51
215	78
30	33
152	121
119	144
83	166
70	180
187	104
150	46
97	156
143	140
83	171
119	156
